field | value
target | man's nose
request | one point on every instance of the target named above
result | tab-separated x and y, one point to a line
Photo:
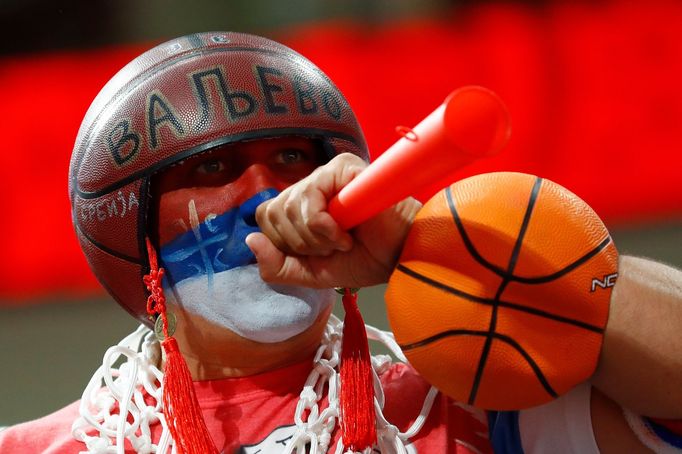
257	177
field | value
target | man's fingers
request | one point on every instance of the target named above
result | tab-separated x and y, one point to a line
286	220
270	259
277	268
270	224
323	224
281	221
296	221
310	243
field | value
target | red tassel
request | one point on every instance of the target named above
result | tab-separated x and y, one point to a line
181	407
358	430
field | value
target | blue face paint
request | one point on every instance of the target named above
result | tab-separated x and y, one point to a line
212	274
214	245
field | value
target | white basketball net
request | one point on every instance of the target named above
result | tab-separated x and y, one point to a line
123	400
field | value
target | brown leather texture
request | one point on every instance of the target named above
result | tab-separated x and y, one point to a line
180	98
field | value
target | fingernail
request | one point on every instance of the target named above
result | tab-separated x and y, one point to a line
251	241
345	246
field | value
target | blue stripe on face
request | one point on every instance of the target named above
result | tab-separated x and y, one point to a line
215	245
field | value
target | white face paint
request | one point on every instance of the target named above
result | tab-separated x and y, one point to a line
239	300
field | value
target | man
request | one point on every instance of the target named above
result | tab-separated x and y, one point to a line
183	147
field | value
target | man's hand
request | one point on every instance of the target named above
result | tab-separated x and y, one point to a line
302	244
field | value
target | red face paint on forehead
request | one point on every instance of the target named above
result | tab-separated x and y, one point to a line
215	181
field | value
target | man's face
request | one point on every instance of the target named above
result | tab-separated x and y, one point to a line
205	209
226	177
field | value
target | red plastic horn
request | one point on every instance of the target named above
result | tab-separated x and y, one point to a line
471	123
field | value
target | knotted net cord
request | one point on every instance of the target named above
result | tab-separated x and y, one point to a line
123	399
314	427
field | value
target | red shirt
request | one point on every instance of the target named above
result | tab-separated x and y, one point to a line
256	414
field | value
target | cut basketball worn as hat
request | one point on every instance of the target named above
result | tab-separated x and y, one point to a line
184	97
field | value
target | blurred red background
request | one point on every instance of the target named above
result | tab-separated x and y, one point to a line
593	92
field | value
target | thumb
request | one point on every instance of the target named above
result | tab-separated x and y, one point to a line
270	259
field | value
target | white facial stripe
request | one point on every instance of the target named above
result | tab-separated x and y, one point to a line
194	222
240	301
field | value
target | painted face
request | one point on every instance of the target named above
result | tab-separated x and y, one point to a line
206	208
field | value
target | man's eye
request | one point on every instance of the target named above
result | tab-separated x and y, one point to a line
292	156
210	167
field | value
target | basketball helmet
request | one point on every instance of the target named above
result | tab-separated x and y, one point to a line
184	97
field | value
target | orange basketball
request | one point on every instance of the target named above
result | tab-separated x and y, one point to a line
501	294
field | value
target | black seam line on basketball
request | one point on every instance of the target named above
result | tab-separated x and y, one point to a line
190	53
501	337
249	135
524	227
442	335
562	272
465	238
488	301
525	280
106	249
487	344
503	285
427	280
